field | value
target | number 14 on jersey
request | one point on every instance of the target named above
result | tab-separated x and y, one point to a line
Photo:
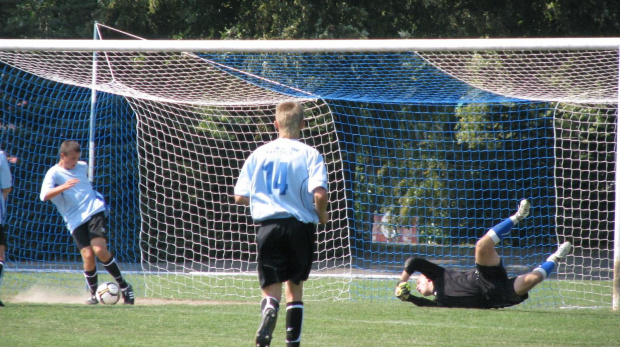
276	177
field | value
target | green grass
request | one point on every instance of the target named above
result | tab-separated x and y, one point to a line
50	313
549	294
342	324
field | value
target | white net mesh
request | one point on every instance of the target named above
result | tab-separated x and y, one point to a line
585	189
165	77
567	76
196	124
191	156
392	127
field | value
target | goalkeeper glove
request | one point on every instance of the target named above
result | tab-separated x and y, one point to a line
403	290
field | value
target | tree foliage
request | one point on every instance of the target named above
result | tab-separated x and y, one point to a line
306	19
47	19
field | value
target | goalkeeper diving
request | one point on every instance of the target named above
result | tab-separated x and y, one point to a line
486	286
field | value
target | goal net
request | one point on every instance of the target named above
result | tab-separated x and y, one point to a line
426	150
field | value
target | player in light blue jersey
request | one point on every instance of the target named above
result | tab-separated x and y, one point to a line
6	186
84	211
285	184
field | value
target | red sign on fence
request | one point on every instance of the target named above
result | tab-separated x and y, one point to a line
385	231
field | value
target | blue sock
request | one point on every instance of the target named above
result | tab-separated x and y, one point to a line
546	268
498	232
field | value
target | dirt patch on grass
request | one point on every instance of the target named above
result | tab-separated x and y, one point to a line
43	295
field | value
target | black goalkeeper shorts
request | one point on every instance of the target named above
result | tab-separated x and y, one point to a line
285	251
497	287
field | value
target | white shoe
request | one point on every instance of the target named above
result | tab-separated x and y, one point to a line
523	211
560	253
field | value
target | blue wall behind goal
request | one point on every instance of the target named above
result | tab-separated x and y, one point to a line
444	160
37	115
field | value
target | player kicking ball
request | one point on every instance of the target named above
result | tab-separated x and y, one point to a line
84	211
486	286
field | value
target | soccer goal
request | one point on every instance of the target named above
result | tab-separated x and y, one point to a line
428	143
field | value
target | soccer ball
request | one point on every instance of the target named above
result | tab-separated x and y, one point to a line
108	293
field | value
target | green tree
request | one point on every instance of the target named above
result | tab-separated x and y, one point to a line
296	19
47	19
128	16
306	19
190	19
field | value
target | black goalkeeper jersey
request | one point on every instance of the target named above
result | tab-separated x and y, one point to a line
452	288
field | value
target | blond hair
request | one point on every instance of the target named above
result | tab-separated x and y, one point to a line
289	115
70	146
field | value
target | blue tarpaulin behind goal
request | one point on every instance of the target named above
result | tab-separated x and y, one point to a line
442	158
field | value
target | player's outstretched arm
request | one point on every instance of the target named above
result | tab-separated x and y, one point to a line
422	302
403	292
54	192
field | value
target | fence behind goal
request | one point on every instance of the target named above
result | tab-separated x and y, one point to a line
425	149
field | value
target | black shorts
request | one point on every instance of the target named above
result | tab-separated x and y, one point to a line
285	251
92	228
3	242
498	289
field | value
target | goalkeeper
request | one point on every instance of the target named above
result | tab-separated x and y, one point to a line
486	286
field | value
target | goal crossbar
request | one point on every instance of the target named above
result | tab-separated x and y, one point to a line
393	45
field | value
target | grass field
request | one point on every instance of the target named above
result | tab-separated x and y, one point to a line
51	313
342	323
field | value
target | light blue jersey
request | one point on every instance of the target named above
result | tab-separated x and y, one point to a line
77	204
6	181
279	178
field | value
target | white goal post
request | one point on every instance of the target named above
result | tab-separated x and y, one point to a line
577	77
